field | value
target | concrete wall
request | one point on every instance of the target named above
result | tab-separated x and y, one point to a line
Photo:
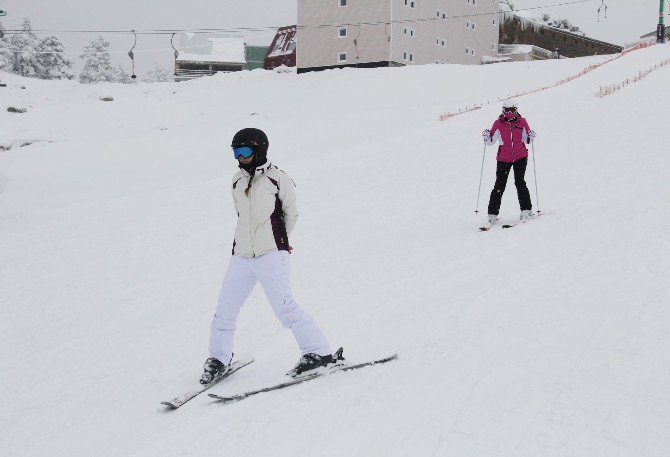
455	26
396	32
319	25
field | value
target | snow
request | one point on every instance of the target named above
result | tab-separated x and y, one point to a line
548	339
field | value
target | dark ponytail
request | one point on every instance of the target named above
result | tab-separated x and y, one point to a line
246	191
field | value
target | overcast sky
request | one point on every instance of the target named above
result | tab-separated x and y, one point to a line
626	20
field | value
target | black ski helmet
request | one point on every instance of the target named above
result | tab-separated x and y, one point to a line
256	139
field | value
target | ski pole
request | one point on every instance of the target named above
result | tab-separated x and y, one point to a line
537	197
481	172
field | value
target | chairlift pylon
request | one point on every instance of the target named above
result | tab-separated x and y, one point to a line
131	54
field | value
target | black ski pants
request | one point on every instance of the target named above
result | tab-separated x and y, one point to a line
502	172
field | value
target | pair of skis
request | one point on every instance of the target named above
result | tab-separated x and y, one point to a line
237	365
489	226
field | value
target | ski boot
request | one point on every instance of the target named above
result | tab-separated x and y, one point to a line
213	370
526	215
490	221
313	361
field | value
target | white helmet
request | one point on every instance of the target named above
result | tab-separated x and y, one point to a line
510	104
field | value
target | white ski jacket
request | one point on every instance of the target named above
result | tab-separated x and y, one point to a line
265	217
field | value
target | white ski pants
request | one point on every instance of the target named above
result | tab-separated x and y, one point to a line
272	270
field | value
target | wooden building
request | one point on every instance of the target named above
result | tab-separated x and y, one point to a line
282	51
518	30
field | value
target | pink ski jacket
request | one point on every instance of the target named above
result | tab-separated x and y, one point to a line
513	136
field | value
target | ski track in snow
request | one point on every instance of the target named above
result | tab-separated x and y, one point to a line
549	339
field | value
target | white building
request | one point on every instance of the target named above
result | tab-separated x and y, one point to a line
375	33
205	54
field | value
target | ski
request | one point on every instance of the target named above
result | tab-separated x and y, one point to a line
180	400
488	227
535	216
308	377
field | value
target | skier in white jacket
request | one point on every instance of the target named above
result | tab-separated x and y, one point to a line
266	209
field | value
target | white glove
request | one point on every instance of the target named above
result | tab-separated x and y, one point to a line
532	134
486	134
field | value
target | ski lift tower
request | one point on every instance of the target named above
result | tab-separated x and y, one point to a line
2	13
660	31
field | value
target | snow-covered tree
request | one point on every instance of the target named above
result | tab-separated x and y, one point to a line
6	57
158	74
121	75
24	49
53	62
97	62
562	24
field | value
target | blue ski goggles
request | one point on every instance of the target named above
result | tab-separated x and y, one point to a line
242	151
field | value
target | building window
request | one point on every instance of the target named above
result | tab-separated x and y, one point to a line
467	50
439	14
411	4
437	41
444	15
472	52
342	56
442	43
467	25
404	31
411	33
473	26
343	2
411	57
494	22
342	32
404	55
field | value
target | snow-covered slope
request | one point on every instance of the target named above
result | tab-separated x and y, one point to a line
549	339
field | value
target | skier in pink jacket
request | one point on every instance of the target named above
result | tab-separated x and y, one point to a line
513	133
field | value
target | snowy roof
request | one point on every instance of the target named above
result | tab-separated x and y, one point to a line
196	47
490	59
508	49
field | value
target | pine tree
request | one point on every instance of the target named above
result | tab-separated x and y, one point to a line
53	62
563	24
24	49
122	76
6	56
157	74
97	62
